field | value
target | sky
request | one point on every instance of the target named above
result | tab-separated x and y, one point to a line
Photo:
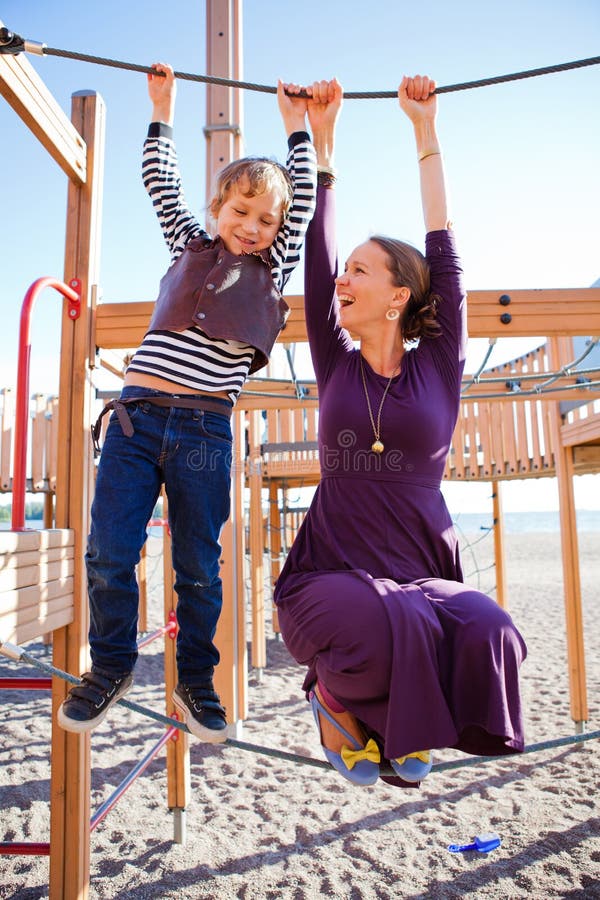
521	158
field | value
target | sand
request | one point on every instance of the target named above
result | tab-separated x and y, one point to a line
258	827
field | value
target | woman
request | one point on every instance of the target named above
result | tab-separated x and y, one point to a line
402	657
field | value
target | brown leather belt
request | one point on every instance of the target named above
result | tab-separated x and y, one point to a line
208	404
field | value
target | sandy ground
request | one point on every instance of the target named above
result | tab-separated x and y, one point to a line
258	827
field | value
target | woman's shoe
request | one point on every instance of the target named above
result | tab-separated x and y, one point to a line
414	766
349	751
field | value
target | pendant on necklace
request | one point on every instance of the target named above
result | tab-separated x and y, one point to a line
377	447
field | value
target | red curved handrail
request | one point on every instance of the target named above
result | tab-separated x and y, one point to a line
72	292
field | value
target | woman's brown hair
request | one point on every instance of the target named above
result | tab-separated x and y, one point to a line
410	269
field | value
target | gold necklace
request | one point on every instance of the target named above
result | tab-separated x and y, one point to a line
377	445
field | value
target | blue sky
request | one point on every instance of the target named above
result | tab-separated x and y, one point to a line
521	158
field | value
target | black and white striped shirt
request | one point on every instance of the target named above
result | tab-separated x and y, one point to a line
190	357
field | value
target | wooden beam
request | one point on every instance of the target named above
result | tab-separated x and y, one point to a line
533	313
586	458
582	431
25	91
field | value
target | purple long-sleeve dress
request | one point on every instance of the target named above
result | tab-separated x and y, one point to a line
371	596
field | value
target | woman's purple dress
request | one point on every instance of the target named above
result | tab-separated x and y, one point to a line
371	596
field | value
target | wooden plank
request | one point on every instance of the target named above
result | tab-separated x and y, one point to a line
285	426
25	91
509	442
248	402
458	443
53	444
312	417
582	431
28	558
43	625
587	458
8	417
565	388
11	620
548	432
44	539
534	410
121	325
36	595
521	413
533	313
38	442
471	454
303	471
11	579
298	424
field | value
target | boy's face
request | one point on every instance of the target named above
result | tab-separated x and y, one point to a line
249	224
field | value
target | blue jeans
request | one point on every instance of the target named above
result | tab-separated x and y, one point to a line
190	451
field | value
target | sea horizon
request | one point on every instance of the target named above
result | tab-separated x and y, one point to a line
522	522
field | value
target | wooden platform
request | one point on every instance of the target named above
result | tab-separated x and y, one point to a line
36	583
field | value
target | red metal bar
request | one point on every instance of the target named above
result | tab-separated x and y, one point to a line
169	629
17	848
25	684
143	764
72	294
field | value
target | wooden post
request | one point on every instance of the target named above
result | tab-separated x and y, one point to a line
223	129
561	350
274	545
178	752
257	545
223	144
70	778
499	545
142	580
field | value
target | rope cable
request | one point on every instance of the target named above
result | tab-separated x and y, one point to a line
19	654
12	44
348	95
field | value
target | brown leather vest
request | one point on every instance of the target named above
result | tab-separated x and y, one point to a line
227	296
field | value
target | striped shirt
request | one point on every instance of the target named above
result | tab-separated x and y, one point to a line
190	357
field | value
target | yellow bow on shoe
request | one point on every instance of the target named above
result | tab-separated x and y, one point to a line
423	755
370	752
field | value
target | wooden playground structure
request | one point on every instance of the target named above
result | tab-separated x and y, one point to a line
513	425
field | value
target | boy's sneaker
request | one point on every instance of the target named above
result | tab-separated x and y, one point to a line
201	710
88	703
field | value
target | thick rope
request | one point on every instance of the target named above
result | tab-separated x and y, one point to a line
23	656
18	43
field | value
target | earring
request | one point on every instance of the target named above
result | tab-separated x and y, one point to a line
392	313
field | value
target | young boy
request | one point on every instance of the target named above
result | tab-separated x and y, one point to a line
217	316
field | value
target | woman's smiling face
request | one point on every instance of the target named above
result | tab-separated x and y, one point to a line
365	289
